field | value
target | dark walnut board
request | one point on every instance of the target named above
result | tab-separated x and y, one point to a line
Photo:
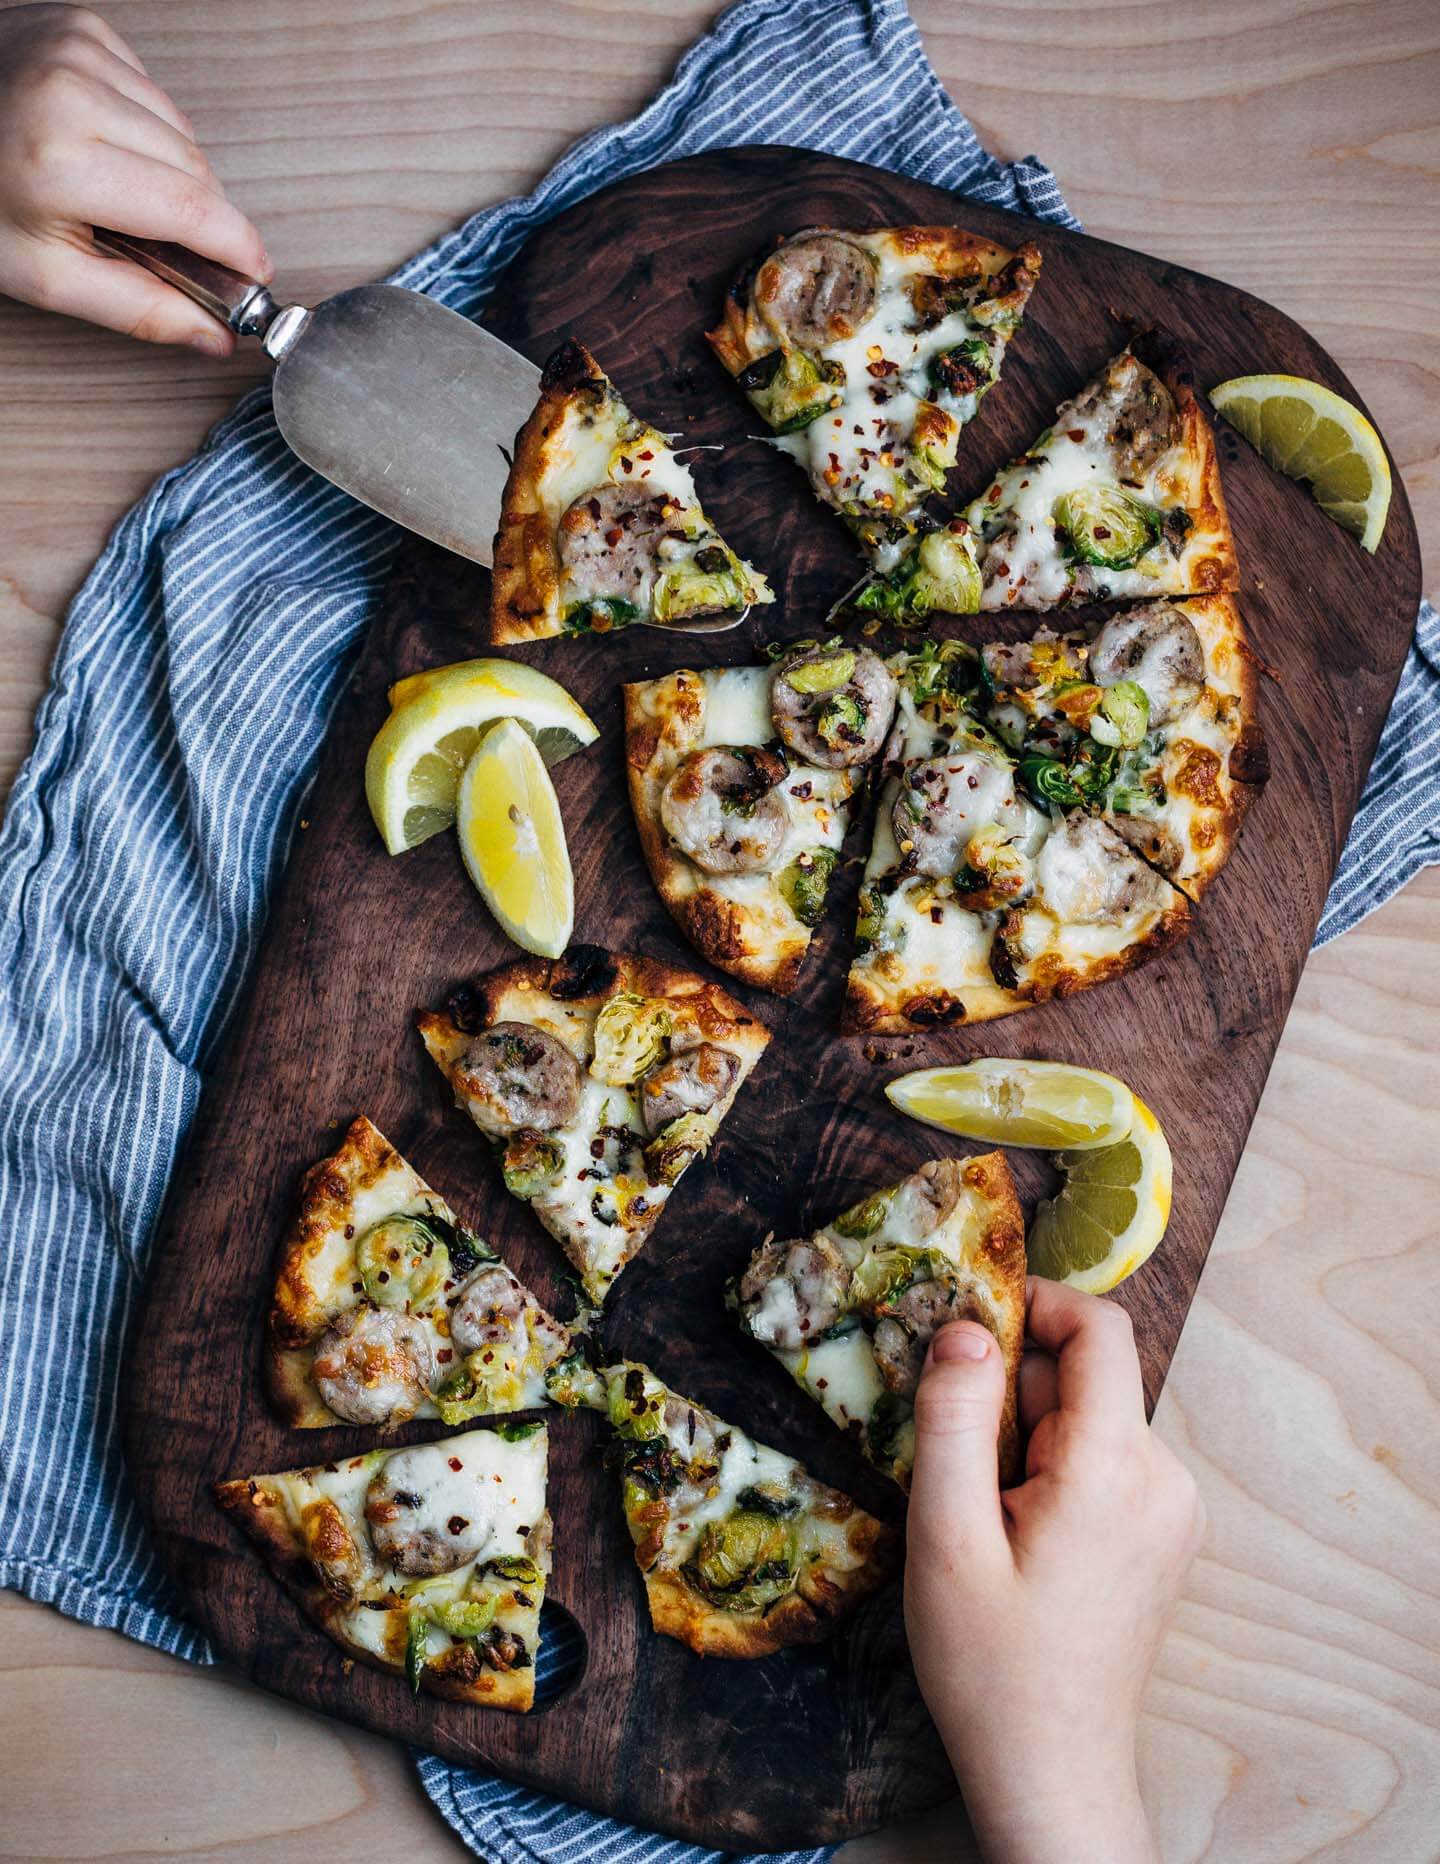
810	1745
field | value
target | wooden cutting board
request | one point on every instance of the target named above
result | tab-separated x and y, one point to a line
807	1746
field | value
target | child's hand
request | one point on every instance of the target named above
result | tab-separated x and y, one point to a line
1035	1615
86	139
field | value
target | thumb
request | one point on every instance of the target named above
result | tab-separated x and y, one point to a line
955	1486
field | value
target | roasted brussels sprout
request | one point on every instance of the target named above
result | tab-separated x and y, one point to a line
463	1617
516	1568
863	1219
940	574
711	582
885	1274
825	674
1048	781
791	388
529	1162
1123	716
401	1262
675	1145
631	1034
803	884
744	1563
934	441
1106	527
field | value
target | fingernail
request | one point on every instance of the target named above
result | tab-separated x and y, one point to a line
267	267
961	1340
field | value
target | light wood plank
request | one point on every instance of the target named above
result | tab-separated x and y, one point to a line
1289	148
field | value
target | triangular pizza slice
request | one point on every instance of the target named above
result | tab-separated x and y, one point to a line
387	1308
430	1562
987	889
741	780
742	1551
600	522
866	353
1119	498
850	1310
598	1077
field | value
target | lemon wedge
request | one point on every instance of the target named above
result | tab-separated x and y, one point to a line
1019	1103
513	840
1311	433
414	764
1110	1214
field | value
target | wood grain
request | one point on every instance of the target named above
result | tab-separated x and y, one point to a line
359	111
806	1747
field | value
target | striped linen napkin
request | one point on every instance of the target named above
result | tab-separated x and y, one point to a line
145	833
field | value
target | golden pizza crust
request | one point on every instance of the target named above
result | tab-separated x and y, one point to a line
525	585
821	1598
1208	560
259	1512
663	721
874	1006
1220	784
999	1262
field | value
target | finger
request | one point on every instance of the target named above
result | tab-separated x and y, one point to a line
133	82
956	1479
121	296
119	123
101	33
1098	1369
152	200
1039	1391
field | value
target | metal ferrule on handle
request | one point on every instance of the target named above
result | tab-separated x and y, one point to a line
240	303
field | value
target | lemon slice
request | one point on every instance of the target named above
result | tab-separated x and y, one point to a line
513	840
1309	432
1110	1214
437	717
1019	1103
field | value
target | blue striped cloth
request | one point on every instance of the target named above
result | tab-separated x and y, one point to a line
173	749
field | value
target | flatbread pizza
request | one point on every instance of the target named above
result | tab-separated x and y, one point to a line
600	522
866	353
850	1310
598	1078
741	1551
429	1562
386	1308
741	779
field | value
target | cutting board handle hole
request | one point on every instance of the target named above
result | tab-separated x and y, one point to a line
564	1655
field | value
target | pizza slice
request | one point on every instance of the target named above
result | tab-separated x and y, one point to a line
742	1552
430	1562
850	1311
600	522
1148	719
597	1077
386	1308
1118	498
990	884
740	779
866	353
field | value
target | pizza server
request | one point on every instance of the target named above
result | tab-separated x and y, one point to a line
404	404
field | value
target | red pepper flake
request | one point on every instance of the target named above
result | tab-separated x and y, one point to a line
457	1524
445	1355
613	535
1101	530
936	915
456	1464
627	463
1075	433
647	456
594	509
992	495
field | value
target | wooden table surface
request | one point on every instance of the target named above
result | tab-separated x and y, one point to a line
1288	146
